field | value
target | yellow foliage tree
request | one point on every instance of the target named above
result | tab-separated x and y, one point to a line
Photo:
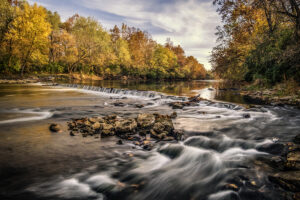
29	35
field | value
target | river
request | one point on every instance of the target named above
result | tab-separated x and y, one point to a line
219	158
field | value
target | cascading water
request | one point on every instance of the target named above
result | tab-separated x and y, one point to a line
123	92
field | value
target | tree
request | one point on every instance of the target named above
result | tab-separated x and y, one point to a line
93	44
29	35
164	62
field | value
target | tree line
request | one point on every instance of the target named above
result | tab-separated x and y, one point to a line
259	40
35	40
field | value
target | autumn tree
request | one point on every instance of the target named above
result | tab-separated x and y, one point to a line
256	40
29	35
93	45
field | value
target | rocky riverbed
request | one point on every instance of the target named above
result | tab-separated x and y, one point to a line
144	130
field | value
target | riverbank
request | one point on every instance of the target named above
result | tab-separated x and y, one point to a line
33	78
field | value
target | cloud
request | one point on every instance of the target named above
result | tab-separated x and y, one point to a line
190	23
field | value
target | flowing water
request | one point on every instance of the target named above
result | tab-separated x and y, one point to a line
217	160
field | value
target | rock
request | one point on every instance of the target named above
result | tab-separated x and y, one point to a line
119	142
110	117
87	123
148	147
119	104
107	129
177	105
246	115
289	180
297	139
293	160
231	186
145	120
160	135
125	126
96	126
93	120
272	148
55	127
166	121
178	135
173	115
72	133
158	127
139	106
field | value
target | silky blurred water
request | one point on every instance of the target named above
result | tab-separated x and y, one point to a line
220	148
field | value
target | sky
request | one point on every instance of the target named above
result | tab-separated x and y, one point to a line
190	23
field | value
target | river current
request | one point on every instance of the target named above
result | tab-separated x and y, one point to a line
219	158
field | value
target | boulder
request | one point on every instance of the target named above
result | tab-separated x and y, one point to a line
145	120
125	126
55	127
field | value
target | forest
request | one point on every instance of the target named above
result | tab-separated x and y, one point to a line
259	40
34	40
